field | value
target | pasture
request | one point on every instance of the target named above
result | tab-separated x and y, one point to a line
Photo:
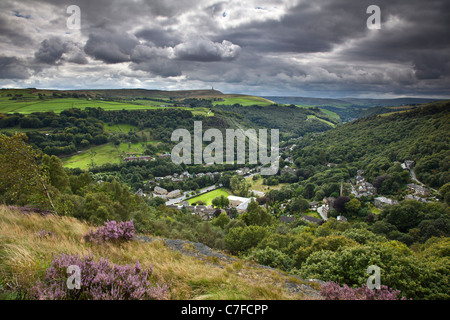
107	153
243	100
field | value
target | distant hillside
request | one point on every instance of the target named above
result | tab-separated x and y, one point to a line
116	93
291	121
421	134
41	100
347	102
350	109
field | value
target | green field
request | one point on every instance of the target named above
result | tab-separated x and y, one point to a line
209	196
331	114
311	117
57	105
107	153
259	186
243	100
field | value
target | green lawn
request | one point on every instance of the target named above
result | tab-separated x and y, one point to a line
103	154
314	214
209	196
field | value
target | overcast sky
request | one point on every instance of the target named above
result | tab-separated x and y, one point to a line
320	48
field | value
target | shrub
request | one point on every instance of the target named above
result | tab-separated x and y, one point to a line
112	231
332	291
100	280
272	258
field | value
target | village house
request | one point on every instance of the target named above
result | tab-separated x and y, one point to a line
366	189
141	158
289	159
288	169
185	175
313	205
240	203
408	165
174	194
422	191
329	201
379	202
359	179
159	191
312	219
287	219
140	193
414	197
165	155
331	165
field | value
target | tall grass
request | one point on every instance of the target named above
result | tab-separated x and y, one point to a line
29	242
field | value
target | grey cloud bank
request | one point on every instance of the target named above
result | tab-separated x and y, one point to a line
295	48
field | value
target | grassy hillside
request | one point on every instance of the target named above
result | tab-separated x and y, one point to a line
290	120
348	109
243	100
421	134
26	251
36	100
103	154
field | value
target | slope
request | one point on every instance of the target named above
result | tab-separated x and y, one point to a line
375	143
192	271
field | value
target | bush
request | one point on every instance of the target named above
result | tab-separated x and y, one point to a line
111	232
332	291
272	258
100	280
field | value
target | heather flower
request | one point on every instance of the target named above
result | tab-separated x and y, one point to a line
100	280
333	291
44	233
112	231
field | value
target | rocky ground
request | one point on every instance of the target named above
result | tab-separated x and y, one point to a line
202	251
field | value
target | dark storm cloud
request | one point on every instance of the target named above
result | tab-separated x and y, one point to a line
13	68
51	51
318	46
111	46
417	33
159	37
308	27
432	65
155	61
11	31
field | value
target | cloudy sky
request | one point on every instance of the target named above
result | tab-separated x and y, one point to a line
320	48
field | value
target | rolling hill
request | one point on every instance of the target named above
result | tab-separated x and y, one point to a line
348	109
374	143
40	100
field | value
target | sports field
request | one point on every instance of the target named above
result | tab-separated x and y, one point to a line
209	196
